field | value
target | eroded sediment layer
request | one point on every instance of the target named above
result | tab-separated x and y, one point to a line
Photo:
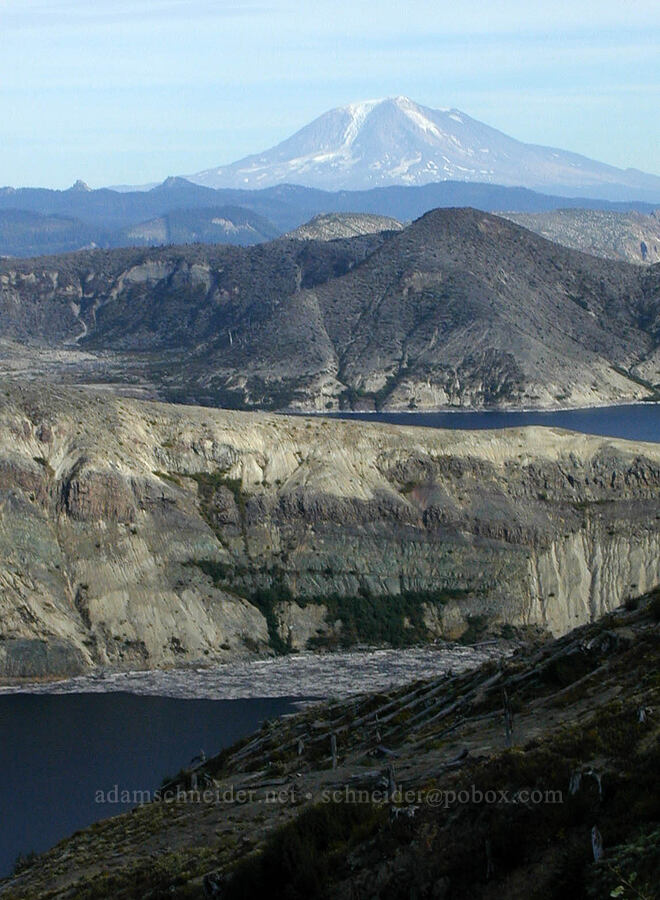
143	535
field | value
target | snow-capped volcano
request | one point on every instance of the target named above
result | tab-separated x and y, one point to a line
397	141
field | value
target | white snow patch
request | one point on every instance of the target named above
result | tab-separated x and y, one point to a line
405	165
420	120
358	113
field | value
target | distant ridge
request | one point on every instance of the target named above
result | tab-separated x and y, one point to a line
102	216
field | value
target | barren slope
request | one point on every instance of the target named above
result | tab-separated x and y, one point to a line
460	309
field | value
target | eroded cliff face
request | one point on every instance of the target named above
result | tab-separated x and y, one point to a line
139	535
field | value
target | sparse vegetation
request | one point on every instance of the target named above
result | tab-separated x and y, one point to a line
169	476
302	858
23	861
396	620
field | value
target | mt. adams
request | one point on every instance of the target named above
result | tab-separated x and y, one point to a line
397	142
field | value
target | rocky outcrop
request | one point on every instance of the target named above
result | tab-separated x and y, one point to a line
330	226
137	534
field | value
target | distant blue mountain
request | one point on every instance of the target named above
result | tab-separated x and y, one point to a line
398	142
111	218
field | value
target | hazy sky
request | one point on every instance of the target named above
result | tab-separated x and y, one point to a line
130	92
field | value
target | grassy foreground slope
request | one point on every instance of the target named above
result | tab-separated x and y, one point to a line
432	795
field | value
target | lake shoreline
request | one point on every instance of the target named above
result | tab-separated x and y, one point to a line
465	410
636	422
58	751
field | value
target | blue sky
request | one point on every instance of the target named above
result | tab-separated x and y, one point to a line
130	92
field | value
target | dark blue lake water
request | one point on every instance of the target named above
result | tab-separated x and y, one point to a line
636	422
56	751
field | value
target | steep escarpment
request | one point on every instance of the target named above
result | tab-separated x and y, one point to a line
459	309
137	535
